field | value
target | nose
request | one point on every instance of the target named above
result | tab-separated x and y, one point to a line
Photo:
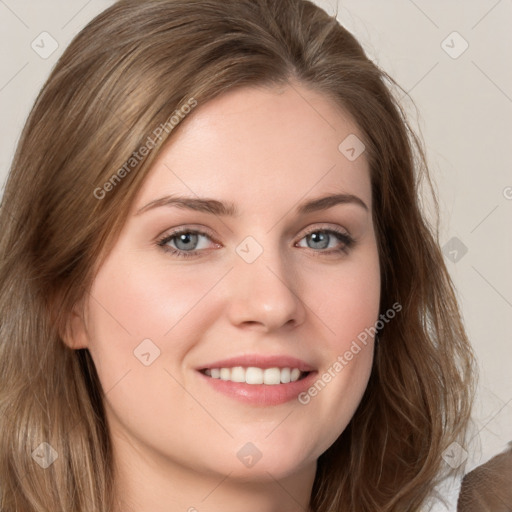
265	294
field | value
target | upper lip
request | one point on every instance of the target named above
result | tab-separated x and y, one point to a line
260	361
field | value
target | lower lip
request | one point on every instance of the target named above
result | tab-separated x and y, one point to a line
261	394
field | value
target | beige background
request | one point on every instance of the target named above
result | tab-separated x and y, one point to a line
464	102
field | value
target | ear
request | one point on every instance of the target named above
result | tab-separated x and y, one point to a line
74	334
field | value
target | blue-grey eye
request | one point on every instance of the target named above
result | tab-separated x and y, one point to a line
320	238
188	239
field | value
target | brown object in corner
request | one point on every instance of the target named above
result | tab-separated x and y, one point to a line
488	488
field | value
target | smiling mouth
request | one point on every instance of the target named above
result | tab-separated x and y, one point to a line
254	375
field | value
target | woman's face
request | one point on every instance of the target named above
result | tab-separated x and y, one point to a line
192	290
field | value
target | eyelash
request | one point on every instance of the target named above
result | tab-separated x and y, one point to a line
346	239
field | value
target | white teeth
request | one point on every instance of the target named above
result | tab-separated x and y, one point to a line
295	374
254	375
285	375
272	376
237	374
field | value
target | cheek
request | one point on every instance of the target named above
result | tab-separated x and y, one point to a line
347	296
147	300
349	310
132	303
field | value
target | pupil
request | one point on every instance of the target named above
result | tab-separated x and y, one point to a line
319	237
185	238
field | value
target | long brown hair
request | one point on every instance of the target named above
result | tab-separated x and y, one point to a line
123	76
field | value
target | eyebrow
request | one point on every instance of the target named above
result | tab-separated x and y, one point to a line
216	207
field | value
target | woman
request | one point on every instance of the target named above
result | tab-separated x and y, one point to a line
259	369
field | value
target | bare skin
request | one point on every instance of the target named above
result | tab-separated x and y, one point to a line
178	440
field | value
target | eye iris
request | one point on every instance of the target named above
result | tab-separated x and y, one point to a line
186	238
321	238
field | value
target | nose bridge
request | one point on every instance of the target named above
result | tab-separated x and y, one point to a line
263	288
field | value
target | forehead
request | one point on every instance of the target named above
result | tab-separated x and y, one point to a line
258	146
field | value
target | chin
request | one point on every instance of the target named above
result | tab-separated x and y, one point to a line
257	460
